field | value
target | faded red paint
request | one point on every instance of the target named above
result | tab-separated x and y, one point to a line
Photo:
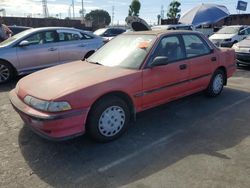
81	84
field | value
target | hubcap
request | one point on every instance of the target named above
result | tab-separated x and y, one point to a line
4	73
218	83
111	121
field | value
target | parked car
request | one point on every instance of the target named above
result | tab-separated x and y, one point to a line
242	50
174	27
229	35
109	33
135	71
18	29
138	24
35	49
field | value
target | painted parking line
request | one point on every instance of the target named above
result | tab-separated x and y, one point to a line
167	139
164	140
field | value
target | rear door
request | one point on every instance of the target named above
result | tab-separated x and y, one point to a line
201	58
41	52
166	82
73	45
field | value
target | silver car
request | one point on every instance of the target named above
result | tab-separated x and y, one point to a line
35	49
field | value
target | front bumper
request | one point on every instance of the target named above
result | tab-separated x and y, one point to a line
243	58
226	44
53	126
222	43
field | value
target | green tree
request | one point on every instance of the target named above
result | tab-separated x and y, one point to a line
174	10
134	8
99	18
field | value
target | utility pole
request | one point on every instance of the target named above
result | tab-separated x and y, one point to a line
162	12
45	9
82	11
113	14
73	6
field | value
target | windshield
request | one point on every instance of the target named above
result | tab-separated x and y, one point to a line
15	37
229	30
127	51
100	32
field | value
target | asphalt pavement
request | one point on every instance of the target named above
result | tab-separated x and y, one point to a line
194	142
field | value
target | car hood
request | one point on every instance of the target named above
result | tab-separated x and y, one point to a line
55	82
217	36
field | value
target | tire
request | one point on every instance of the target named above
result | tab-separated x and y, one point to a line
108	119
216	84
7	73
88	55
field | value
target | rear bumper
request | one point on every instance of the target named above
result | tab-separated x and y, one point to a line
56	126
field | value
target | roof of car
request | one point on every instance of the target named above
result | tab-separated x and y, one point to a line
52	28
17	26
159	32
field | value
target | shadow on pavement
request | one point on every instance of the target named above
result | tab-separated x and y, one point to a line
204	126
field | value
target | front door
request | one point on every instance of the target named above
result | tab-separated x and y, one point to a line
41	52
166	82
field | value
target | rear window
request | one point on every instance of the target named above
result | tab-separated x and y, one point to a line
195	46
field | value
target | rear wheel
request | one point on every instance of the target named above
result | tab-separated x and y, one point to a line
6	72
216	84
108	119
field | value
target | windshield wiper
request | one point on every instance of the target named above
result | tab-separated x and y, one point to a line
93	62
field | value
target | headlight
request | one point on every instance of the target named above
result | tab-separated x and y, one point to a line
235	46
227	40
46	105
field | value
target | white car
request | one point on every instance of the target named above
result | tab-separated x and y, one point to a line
174	27
230	35
242	51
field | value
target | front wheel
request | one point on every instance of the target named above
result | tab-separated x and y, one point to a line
216	84
6	72
108	119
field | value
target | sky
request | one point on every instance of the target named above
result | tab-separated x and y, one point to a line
149	8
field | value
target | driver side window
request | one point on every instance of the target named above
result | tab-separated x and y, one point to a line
42	38
35	39
171	48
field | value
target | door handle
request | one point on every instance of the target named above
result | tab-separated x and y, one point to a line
213	59
183	67
52	49
82	45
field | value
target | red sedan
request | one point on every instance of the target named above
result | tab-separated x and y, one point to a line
132	73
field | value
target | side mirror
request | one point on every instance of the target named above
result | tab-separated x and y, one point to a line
241	32
24	43
106	34
159	61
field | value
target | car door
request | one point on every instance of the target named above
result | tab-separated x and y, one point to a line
74	45
166	82
41	51
201	58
